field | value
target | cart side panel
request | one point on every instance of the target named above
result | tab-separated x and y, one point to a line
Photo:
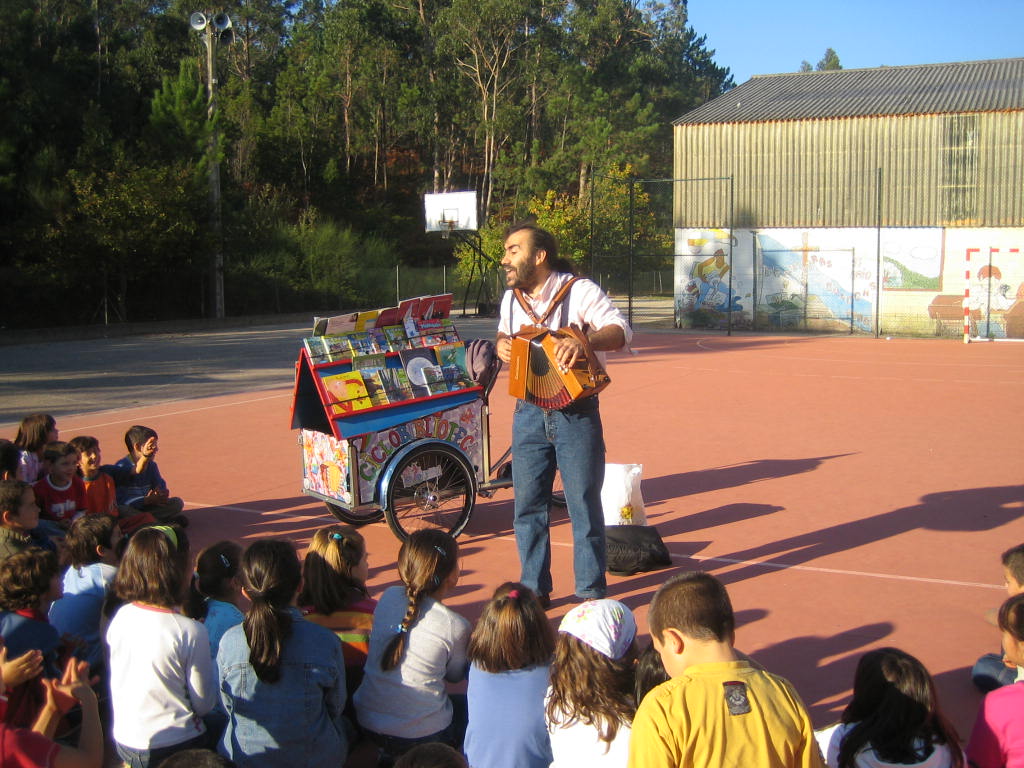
460	426
325	466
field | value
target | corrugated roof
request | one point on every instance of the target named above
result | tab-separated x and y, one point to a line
967	86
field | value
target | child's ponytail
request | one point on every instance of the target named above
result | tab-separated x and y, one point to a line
215	565
425	562
271	573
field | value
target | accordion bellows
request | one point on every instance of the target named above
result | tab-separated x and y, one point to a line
534	375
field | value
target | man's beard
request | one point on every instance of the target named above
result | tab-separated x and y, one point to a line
523	276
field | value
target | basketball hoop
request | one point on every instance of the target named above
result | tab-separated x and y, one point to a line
447	227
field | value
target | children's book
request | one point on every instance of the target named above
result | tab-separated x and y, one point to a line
316	349
449	331
369	362
415	362
389	316
347	392
333	326
337	347
434	378
365	321
397	340
361	343
380	341
375	386
409	309
452	359
436	307
428	333
396	384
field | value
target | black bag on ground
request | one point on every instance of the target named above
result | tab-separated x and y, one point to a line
635	549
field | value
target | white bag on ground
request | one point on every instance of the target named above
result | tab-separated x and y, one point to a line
621	499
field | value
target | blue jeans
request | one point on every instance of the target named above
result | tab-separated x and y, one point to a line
572	441
990	673
150	758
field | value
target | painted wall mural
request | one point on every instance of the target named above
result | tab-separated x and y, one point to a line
827	279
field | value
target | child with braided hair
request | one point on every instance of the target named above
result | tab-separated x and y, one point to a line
334	595
416	645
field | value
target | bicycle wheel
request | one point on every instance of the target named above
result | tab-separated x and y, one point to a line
431	487
353	518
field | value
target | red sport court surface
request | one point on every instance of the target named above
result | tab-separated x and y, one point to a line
852	492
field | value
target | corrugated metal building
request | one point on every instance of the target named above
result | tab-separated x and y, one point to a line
804	149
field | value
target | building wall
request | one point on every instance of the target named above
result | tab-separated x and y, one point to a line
936	171
827	279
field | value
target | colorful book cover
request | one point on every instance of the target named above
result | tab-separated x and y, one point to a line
316	349
389	316
436	307
409	309
428	333
369	362
396	384
449	331
365	321
375	387
433	376
360	343
380	341
415	361
397	340
336	325
347	392
452	359
337	348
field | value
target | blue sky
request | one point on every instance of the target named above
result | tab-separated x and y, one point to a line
766	37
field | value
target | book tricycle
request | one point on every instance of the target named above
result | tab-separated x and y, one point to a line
394	415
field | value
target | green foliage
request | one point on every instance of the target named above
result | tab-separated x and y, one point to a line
332	120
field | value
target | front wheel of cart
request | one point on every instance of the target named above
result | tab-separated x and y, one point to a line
347	516
432	486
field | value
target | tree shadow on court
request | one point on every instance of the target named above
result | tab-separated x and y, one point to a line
658	489
975	509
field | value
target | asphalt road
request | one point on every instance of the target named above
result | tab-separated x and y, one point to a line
73	377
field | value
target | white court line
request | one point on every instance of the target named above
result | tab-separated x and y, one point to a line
172	413
813	569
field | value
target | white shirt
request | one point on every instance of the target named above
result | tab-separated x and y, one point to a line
161	677
588	307
577	744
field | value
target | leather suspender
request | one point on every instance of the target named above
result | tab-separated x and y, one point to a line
561	299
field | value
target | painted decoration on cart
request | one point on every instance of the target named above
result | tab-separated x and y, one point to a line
458	426
325	465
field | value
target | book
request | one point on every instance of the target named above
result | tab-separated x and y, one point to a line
396	384
387	316
427	333
336	325
375	387
365	321
452	359
408	309
415	361
379	339
347	392
433	377
316	349
436	307
449	330
361	343
337	347
397	340
369	362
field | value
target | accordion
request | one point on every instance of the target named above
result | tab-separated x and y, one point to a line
534	374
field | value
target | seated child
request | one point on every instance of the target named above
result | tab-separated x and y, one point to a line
334	595
997	739
19	515
590	704
989	671
432	756
893	718
717	709
416	646
282	677
29	583
510	660
27	748
92	545
35	431
61	493
140	486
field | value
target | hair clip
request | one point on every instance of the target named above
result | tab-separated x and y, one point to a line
337	536
224	562
169	532
400	629
441	550
513	594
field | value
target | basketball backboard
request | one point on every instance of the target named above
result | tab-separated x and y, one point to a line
450	211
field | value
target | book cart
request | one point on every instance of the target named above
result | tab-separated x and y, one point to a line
418	461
